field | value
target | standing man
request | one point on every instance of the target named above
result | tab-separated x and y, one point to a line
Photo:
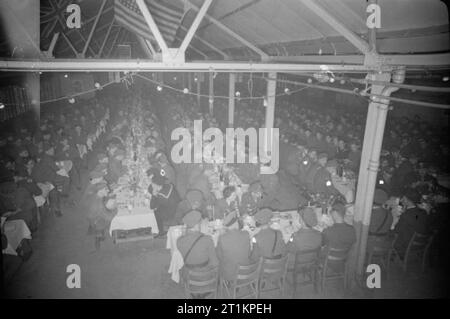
164	201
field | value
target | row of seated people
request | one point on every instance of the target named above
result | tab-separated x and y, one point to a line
41	170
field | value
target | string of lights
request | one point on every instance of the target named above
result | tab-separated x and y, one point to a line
160	85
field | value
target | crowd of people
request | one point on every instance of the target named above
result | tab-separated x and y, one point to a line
319	162
41	169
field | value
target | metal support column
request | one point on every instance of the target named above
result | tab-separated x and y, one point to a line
211	93
231	100
199	87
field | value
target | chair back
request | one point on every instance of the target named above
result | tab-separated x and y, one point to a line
202	281
274	268
306	258
336	256
246	274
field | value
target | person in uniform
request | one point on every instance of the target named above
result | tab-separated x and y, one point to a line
196	248
380	222
267	243
413	219
193	201
164	201
306	238
233	249
252	200
98	215
322	182
228	204
340	235
115	167
45	172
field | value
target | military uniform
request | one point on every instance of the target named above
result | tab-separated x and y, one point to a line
233	248
268	244
200	248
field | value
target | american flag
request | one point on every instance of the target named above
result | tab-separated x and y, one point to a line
167	17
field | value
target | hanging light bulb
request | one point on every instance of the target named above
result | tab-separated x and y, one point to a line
71	100
328	183
185	90
286	90
174	78
66	76
342	81
159	88
265	102
238	93
97	85
381	182
195	79
445	78
310	81
331	80
2	106
40	72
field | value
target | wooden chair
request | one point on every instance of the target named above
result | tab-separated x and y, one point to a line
306	264
333	267
380	253
273	271
418	246
246	277
201	282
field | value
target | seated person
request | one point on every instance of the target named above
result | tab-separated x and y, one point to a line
193	201
268	242
306	238
380	222
196	248
413	219
233	249
227	204
340	235
252	199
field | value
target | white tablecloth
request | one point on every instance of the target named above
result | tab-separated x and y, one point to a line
15	231
281	221
138	217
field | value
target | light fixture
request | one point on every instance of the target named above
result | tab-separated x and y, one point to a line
159	88
71	100
238	93
185	90
195	79
331	80
40	72
342	81
445	78
174	78
97	85
66	76
2	106
286	90
265	103
381	182
328	183
305	162
310	81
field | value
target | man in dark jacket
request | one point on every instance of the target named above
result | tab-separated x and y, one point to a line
413	219
164	201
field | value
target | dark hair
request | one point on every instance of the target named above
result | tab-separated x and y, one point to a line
228	191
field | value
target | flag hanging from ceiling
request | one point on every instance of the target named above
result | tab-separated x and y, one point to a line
167	17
